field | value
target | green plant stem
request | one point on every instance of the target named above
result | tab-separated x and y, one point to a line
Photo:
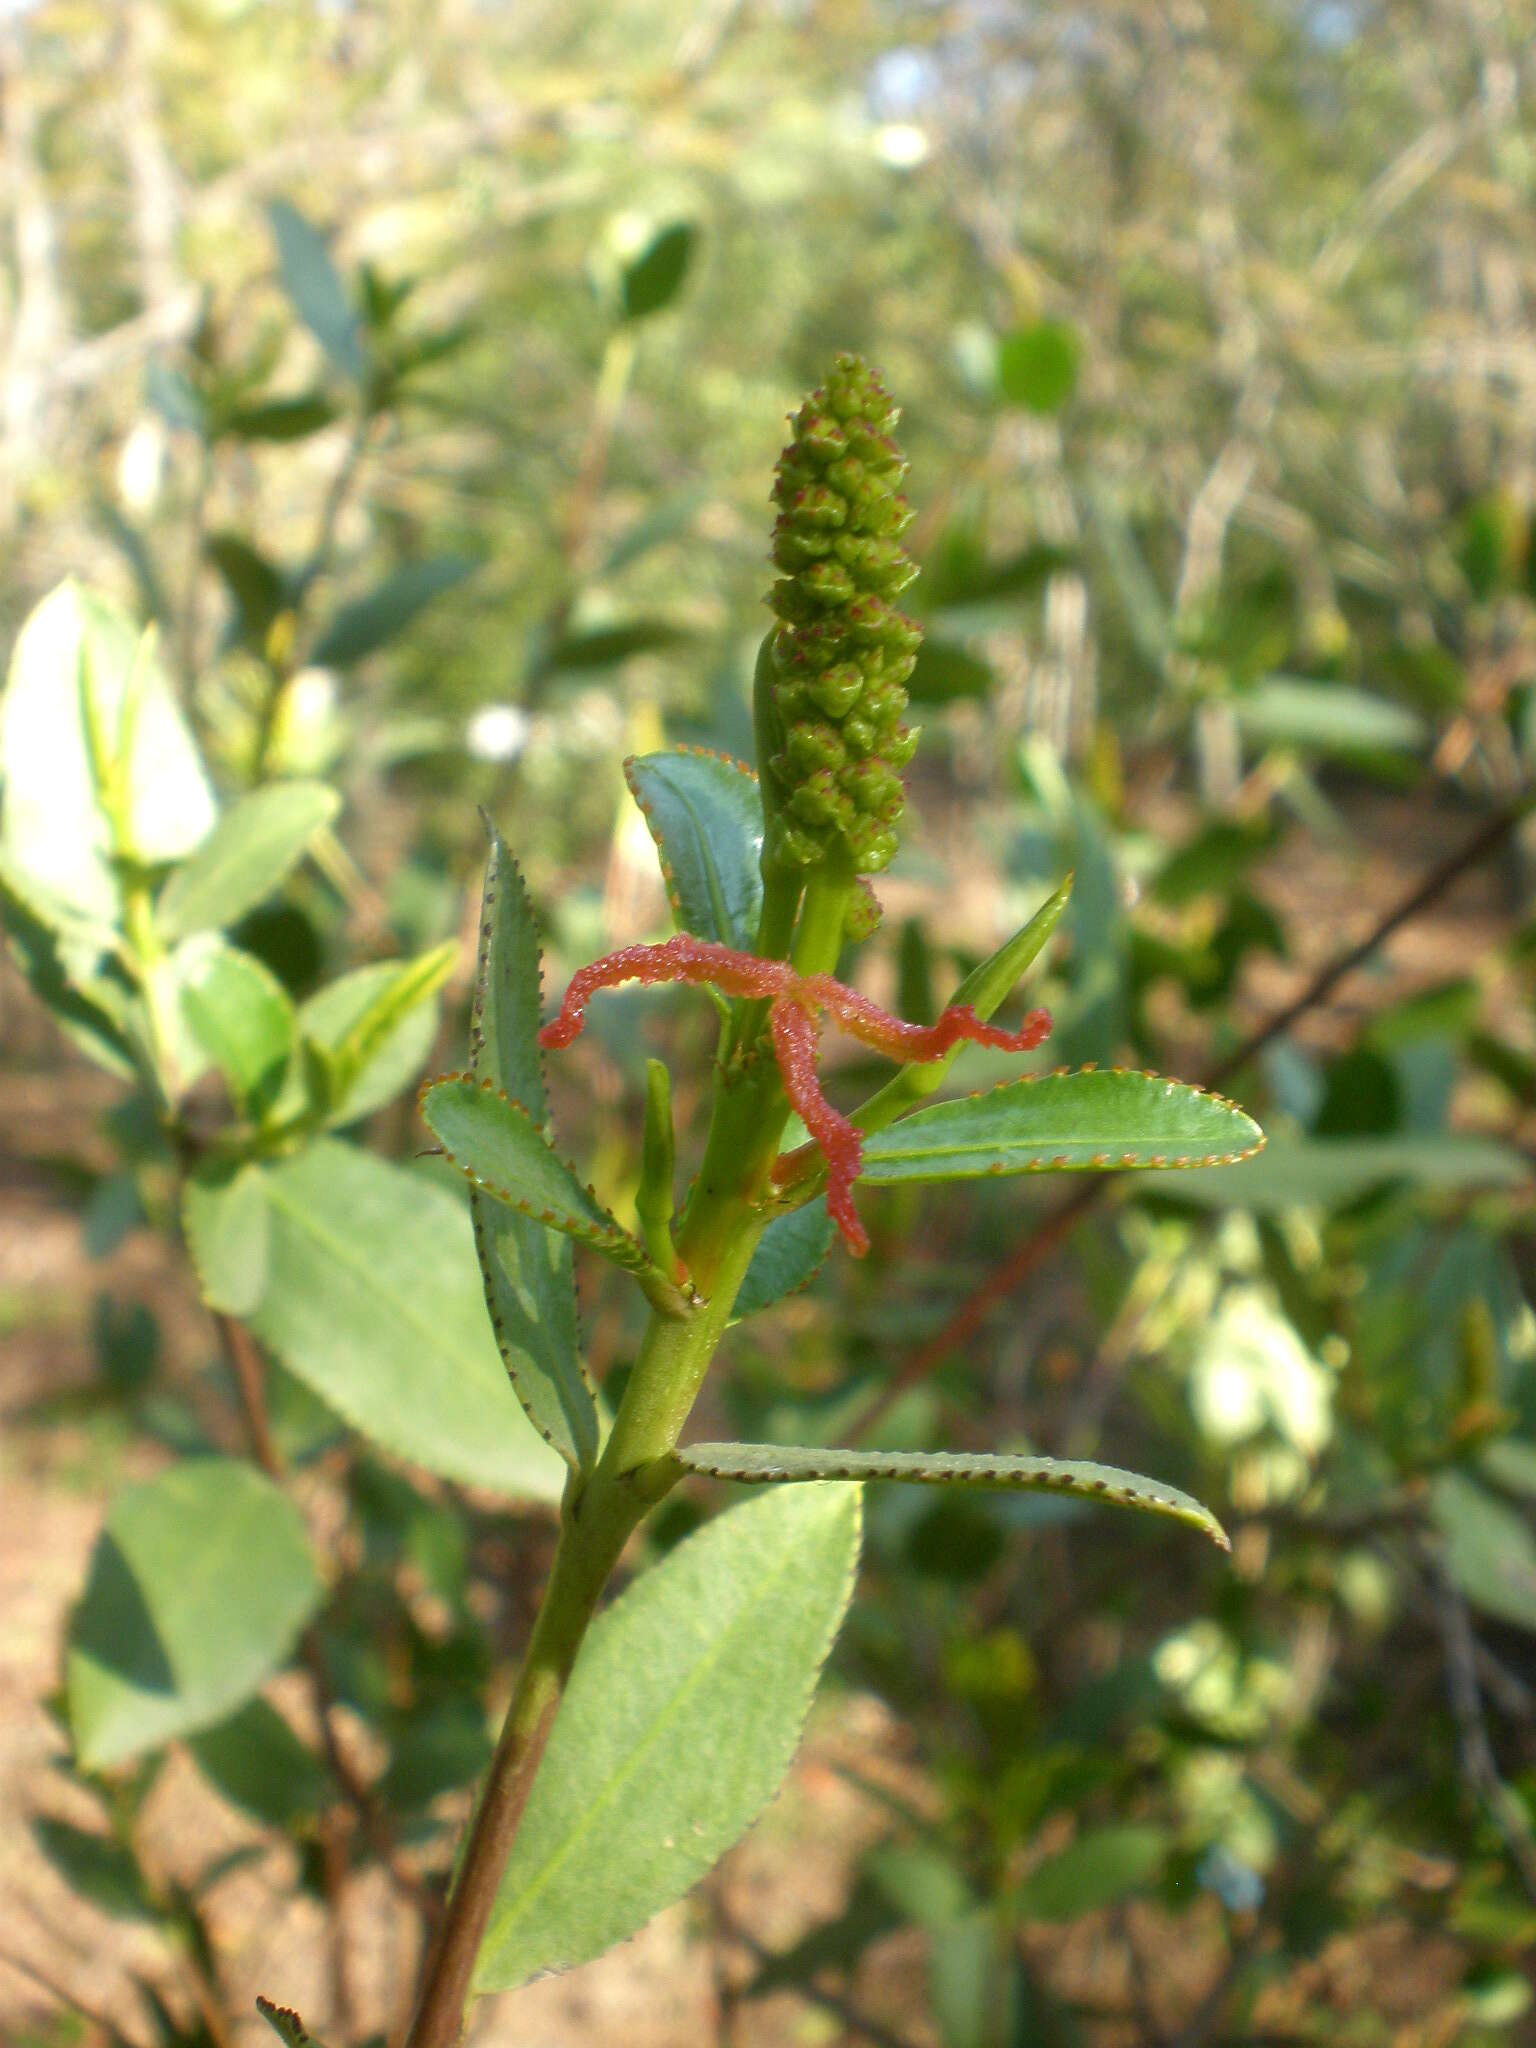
716	1238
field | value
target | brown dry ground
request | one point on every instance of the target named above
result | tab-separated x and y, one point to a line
60	1461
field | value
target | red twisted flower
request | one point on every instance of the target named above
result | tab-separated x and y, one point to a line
794	1020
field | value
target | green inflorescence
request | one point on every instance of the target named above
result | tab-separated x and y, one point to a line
831	679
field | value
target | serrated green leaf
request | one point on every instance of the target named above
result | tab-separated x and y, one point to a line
96	1868
1097	1118
529	1285
498	1147
75	663
224	1216
240	1016
382	615
774	1464
200	1582
985	989
374	1029
247	856
1324	1173
314	286
680	1721
653	279
374	1301
287	2025
706	816
790	1253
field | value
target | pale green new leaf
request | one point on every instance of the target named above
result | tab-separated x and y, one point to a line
706	817
246	856
529	1286
680	1721
226	1222
62	725
373	1300
370	1031
1097	1118
240	1017
497	1146
772	1464
984	989
199	1585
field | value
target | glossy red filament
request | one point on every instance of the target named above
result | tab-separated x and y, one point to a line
794	1002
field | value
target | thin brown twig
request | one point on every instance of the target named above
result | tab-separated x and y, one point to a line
1052	1229
1479	1766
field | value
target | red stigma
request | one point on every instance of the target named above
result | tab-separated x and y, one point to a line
795	1002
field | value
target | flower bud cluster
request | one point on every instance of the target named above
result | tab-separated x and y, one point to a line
841	654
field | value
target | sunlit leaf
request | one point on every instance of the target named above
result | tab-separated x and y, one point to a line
706	817
681	1719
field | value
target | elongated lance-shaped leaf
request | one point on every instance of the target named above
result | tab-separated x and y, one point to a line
244	858
530	1289
706	817
498	1147
985	988
681	1718
1097	1118
774	1464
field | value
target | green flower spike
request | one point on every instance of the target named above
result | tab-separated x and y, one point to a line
830	681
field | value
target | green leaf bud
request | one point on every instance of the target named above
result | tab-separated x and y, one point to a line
830	684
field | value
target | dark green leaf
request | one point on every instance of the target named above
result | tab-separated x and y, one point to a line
282	419
774	1464
706	817
258	1763
606	646
529	1288
654	278
1099	1118
257	585
200	1582
946	671
374	1301
790	1253
96	1868
372	621
680	1721
314	285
